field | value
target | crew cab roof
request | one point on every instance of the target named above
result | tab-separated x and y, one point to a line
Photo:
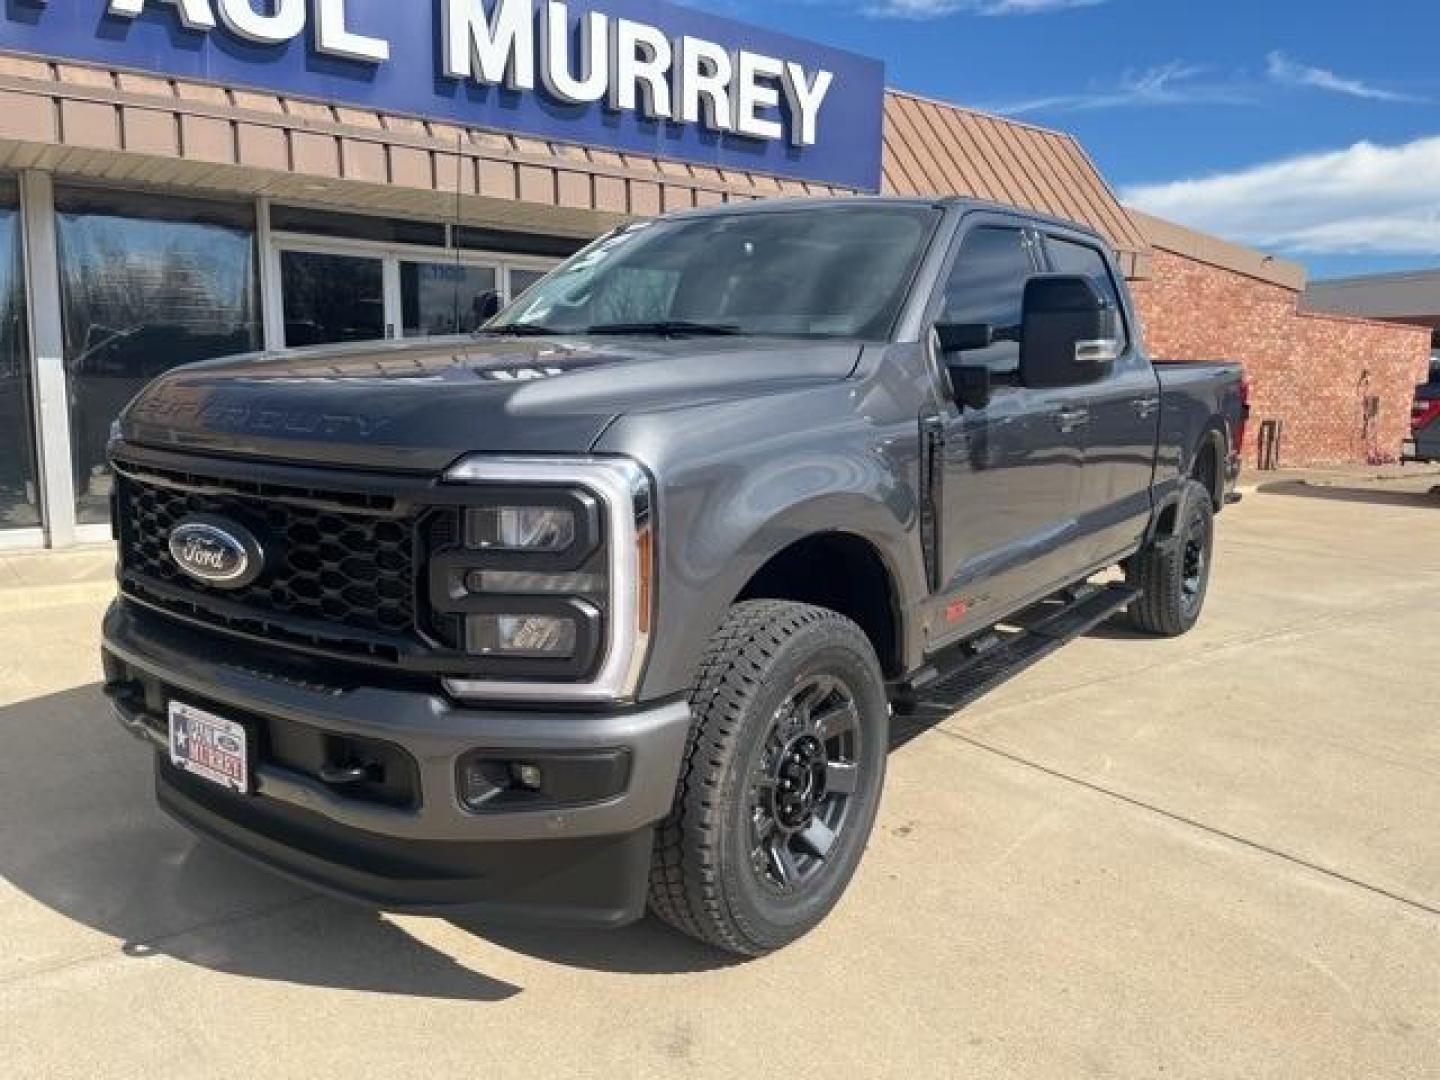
949	202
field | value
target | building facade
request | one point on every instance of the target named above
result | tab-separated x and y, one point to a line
181	180
1336	389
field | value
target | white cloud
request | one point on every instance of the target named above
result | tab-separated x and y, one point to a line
1365	199
1287	72
1033	7
1174	83
934	9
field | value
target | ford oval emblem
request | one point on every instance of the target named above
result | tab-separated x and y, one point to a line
215	552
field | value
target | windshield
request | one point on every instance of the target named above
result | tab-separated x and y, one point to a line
839	271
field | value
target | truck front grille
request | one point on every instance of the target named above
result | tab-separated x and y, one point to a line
338	576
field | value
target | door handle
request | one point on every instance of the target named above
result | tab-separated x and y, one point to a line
1070	420
1147	407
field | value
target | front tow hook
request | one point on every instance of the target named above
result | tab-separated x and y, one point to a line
344	775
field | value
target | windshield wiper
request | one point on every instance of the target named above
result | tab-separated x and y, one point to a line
519	330
673	328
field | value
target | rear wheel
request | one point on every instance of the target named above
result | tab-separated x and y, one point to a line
1173	572
781	781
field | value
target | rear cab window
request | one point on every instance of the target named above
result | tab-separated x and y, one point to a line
1071	257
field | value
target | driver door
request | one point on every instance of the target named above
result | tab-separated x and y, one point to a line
1010	474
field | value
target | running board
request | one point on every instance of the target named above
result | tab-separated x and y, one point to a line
972	670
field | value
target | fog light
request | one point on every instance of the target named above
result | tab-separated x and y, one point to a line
496	781
541	636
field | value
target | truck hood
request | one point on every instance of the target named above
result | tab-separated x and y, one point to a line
420	406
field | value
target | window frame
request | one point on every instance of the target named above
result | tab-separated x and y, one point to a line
12	198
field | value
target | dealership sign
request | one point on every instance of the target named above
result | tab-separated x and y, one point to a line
632	75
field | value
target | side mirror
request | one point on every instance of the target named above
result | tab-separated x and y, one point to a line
1068	333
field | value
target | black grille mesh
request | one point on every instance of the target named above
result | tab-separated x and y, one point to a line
323	566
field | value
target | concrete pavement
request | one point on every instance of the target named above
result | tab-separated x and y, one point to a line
1214	857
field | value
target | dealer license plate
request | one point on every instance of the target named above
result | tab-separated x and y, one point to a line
209	746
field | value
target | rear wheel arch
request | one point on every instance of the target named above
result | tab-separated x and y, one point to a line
1208	464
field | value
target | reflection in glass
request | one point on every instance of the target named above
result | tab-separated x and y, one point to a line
447	298
19	491
809	271
521	281
331	299
147	283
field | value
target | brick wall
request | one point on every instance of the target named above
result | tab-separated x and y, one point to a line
1313	372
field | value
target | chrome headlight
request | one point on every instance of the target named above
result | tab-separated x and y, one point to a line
552	577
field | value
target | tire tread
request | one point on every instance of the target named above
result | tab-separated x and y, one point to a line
685	886
1157	572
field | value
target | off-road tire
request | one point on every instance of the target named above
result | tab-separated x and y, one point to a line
1172	594
704	879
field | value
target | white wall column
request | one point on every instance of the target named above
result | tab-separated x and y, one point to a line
47	354
272	314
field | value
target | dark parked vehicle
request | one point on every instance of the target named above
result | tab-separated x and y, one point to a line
1424	443
610	605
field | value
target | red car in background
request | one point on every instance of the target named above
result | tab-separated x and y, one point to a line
1424	442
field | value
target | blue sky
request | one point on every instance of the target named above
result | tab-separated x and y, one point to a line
1307	127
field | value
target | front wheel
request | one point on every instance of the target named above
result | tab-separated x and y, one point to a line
1173	573
781	781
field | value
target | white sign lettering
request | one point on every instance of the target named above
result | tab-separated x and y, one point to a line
628	65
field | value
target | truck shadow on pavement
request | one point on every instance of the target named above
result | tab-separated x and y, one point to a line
80	834
1375	496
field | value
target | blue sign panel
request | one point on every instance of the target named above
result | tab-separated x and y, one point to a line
638	76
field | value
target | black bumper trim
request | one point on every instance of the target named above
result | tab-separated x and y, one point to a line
433	730
592	882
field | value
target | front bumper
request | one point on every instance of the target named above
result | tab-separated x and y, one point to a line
581	863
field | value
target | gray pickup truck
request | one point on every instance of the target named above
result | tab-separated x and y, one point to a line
612	605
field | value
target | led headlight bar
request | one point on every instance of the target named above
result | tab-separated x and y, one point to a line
553	578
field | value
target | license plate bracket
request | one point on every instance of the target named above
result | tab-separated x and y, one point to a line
210	747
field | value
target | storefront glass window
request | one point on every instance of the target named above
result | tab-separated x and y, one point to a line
147	283
331	298
521	280
19	489
447	298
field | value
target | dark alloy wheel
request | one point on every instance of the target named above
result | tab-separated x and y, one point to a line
1195	559
1172	573
781	779
805	782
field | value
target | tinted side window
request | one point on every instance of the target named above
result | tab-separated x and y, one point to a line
987	285
1071	258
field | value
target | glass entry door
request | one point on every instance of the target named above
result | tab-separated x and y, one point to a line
331	292
332	298
447	297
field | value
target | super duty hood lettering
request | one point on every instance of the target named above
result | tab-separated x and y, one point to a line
176	412
422	405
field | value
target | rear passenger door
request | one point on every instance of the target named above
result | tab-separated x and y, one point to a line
1010	473
1122	419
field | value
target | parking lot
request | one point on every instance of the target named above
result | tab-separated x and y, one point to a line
1212	857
